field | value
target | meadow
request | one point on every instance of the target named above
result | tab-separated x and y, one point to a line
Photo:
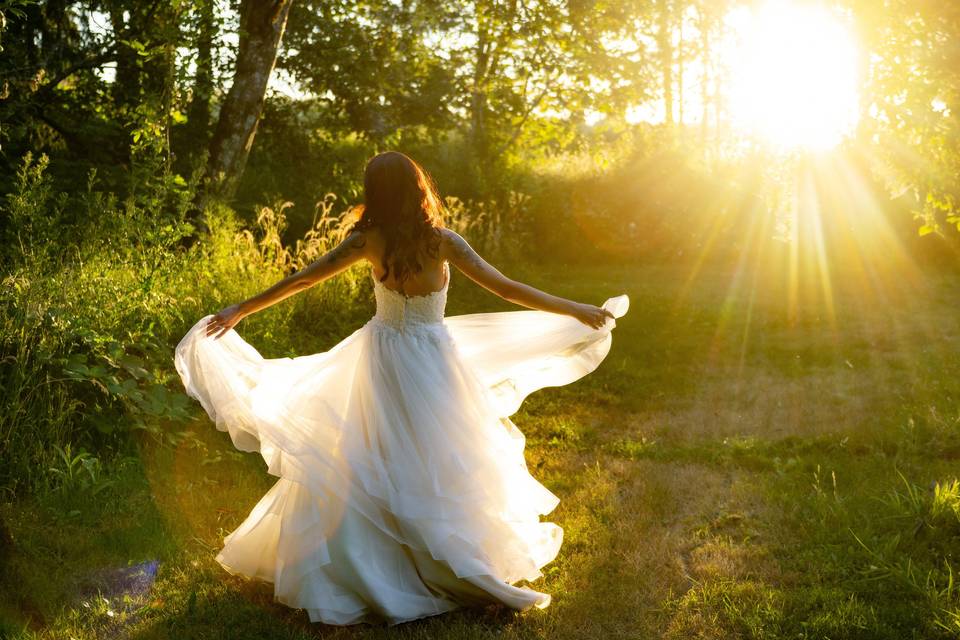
770	449
735	468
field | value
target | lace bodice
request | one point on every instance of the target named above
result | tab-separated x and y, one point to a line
403	312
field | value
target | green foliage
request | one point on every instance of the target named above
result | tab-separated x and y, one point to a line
911	96
945	505
485	94
92	305
86	306
97	282
913	547
32	214
79	472
702	493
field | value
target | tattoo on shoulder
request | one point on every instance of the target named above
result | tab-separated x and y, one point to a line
465	252
357	242
348	247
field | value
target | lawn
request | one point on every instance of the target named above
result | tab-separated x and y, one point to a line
752	460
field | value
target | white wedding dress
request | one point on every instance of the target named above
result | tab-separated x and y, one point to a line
403	490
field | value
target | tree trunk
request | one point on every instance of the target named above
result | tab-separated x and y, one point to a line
680	65
148	79
478	100
665	47
125	82
261	28
198	115
705	79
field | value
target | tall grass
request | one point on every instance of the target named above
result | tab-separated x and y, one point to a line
97	291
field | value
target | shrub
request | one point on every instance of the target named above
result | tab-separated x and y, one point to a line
97	292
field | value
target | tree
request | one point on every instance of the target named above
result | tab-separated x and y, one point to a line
373	67
485	70
665	29
911	102
262	23
198	114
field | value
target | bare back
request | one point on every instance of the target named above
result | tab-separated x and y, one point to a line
431	279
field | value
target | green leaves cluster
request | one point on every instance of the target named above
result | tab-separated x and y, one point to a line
93	304
487	69
912	103
87	302
77	472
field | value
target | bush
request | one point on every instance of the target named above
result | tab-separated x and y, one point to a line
97	292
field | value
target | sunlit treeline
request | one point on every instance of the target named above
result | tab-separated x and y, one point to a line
485	92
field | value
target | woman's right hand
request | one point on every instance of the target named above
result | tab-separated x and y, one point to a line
591	315
224	320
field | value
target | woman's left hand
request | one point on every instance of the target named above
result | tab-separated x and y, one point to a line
591	315
225	320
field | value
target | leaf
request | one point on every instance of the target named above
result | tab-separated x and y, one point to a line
76	359
76	370
134	365
925	230
104	425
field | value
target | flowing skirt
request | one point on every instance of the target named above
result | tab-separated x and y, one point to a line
403	491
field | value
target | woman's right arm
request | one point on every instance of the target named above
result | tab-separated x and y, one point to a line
332	262
462	255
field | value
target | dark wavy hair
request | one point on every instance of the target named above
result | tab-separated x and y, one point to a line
401	199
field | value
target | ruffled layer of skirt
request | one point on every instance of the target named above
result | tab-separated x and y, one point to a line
403	490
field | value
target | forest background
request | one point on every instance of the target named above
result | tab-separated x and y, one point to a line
160	160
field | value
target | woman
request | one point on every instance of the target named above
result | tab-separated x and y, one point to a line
403	489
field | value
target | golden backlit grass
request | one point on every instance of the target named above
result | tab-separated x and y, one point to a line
730	471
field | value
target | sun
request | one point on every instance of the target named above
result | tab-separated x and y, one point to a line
794	75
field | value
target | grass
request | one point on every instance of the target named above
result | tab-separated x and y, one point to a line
738	467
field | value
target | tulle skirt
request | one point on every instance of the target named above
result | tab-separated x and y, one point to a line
403	491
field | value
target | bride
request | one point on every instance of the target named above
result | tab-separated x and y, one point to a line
403	490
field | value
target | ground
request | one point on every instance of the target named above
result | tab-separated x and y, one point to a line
746	463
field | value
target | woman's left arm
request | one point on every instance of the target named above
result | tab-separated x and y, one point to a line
350	250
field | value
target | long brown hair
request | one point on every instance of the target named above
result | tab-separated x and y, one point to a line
400	198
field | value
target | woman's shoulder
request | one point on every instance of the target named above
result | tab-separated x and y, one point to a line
369	237
449	237
452	243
